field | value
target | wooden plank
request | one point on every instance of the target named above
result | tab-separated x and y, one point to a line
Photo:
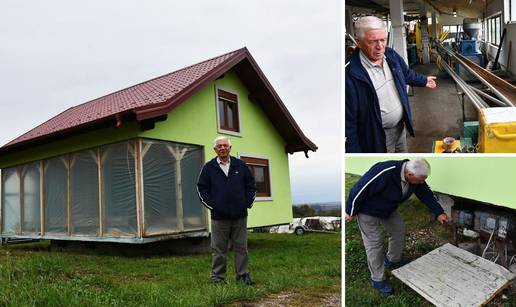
138	175
42	193
21	175
450	276
100	177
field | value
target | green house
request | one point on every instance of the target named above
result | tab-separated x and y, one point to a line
124	167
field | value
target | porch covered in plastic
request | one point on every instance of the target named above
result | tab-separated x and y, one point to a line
136	191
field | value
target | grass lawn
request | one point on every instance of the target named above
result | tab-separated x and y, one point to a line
423	235
31	275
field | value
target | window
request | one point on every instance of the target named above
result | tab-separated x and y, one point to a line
259	167
227	109
512	10
494	28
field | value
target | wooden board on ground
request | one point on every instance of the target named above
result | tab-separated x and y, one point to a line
450	276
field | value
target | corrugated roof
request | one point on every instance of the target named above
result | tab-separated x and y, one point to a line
156	97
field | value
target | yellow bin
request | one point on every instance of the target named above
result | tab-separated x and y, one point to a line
497	130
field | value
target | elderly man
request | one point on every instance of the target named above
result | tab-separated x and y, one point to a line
226	188
374	201
377	107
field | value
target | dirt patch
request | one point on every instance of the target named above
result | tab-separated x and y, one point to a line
296	298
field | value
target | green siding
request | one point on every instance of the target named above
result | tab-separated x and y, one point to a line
195	122
487	179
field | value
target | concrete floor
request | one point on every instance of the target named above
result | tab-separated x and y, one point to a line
437	113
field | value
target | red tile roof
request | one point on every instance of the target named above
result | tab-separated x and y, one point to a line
148	93
157	97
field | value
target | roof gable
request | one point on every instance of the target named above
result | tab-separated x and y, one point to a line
156	97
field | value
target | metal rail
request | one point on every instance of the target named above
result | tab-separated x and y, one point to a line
475	99
503	90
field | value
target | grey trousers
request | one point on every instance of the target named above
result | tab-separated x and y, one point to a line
373	241
396	138
222	232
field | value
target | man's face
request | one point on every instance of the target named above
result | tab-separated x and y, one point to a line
413	179
222	148
373	44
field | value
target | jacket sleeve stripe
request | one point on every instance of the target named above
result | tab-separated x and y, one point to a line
254	197
365	186
202	200
199	192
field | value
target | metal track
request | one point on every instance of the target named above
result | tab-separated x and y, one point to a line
501	88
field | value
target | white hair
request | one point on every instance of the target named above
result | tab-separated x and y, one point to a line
368	23
419	167
220	138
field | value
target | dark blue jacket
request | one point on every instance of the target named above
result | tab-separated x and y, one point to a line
364	131
227	197
378	193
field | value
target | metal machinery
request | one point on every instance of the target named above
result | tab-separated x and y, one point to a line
495	104
469	47
486	230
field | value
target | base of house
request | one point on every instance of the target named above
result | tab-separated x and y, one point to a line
196	245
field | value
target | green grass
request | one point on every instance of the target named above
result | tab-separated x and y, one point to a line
31	275
425	235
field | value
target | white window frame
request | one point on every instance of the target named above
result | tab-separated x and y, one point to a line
249	155
219	129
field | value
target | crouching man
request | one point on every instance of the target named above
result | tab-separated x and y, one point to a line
226	188
374	201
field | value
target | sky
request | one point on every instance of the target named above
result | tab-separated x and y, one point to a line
57	54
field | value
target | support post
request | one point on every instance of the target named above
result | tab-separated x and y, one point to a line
424	35
20	170
434	24
101	192
178	154
138	175
398	30
69	162
42	196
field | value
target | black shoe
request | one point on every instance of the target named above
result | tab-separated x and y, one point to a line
246	279
218	281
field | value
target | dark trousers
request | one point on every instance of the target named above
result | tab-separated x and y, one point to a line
222	232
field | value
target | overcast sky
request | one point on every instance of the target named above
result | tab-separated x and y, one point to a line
57	54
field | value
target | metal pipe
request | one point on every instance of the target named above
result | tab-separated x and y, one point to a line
475	99
489	97
489	85
460	59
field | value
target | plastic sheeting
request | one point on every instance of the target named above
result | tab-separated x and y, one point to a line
118	165
56	195
159	188
11	201
170	200
31	203
164	203
85	193
193	210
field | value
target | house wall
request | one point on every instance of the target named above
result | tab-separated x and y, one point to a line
487	179
195	121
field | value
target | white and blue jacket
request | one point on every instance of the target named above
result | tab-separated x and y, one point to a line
378	193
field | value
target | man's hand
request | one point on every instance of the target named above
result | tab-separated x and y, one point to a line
348	218
430	82
442	218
